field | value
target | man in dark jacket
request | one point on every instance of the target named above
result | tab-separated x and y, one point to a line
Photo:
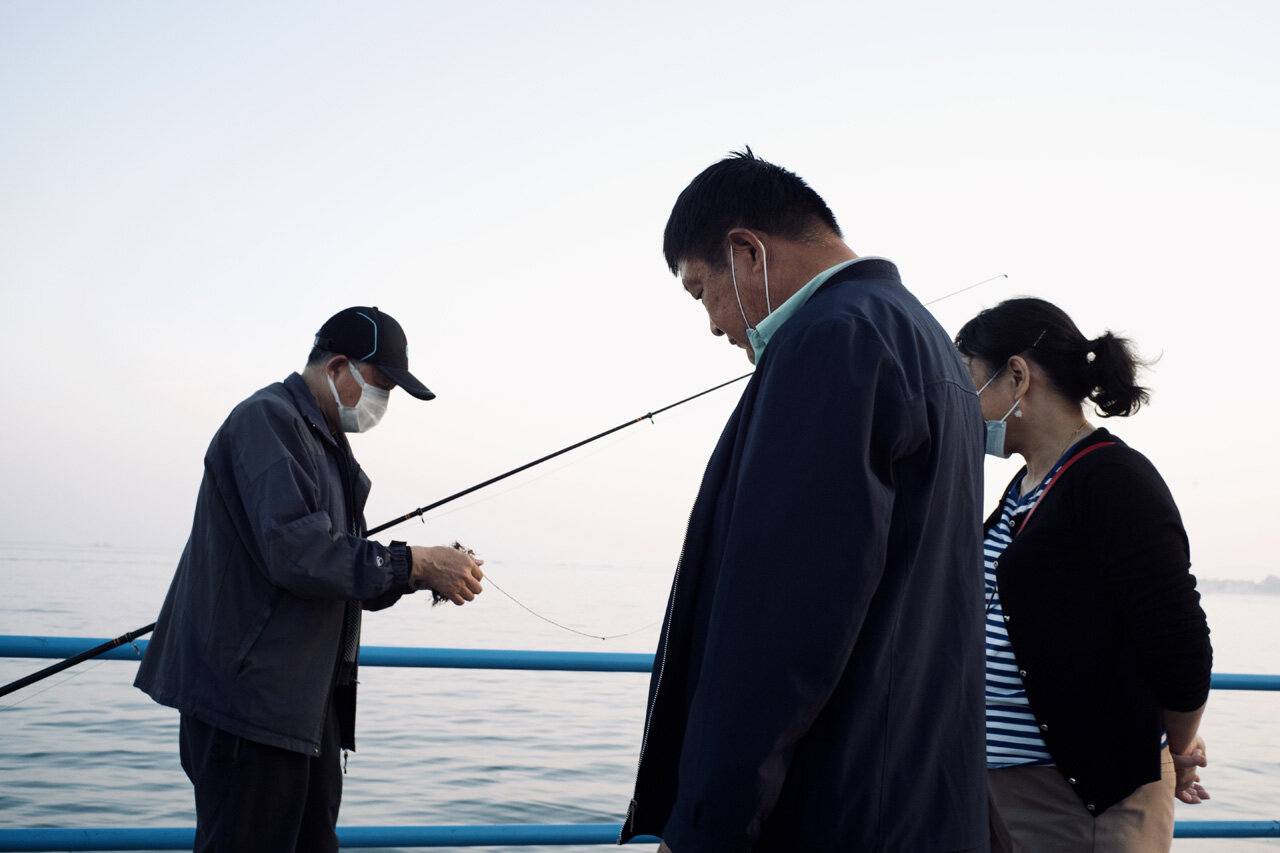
818	684
258	639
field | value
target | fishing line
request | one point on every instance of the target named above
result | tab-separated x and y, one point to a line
489	579
59	683
963	289
464	549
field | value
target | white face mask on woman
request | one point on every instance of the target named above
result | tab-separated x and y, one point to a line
996	429
367	411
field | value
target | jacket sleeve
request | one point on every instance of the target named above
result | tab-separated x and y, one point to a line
1140	547
283	481
804	554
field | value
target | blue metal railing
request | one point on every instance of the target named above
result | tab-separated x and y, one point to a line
65	647
178	838
182	838
14	646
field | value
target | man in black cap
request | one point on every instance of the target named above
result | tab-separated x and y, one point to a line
257	642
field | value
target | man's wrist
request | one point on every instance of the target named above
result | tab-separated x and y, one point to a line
401	564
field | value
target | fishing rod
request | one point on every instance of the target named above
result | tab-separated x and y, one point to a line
425	509
649	416
133	635
75	659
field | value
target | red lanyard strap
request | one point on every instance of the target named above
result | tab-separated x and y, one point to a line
1049	485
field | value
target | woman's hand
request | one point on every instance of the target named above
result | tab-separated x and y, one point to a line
1187	786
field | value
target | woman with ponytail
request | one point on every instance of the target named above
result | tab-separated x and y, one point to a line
1098	653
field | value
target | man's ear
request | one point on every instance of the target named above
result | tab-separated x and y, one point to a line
748	244
336	366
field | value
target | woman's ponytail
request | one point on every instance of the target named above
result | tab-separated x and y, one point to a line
1112	374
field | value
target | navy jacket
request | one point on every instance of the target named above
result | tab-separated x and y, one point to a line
818	684
247	640
1105	621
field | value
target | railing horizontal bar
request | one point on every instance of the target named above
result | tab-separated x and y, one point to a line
177	838
1240	681
1226	829
349	837
506	659
352	837
17	646
526	835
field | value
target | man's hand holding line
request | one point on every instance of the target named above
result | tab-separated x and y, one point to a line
450	573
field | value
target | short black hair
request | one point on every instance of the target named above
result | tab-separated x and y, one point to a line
741	191
319	355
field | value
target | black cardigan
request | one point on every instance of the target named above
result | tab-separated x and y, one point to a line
1105	620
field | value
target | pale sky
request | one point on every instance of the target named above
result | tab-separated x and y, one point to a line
187	190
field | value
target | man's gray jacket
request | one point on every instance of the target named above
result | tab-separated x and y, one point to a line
248	637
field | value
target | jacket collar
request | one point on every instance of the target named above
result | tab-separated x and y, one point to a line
308	407
869	267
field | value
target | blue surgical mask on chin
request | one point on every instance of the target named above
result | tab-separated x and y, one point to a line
996	429
754	338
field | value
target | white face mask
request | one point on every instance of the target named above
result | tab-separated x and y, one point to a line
753	336
367	411
996	429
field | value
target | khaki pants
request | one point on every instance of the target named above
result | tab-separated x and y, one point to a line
1034	810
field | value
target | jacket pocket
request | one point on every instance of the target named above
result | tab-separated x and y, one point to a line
252	635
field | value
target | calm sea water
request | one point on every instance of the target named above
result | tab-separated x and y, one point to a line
85	749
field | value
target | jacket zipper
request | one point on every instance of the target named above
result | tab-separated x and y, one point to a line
666	639
662	667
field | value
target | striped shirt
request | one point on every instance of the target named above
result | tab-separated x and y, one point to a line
1013	737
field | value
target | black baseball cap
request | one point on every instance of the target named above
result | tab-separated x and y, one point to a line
374	337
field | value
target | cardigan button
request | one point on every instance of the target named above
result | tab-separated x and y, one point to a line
1071	780
1022	673
1007	617
1044	727
1091	807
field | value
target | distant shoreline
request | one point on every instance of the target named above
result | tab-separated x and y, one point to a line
1270	586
